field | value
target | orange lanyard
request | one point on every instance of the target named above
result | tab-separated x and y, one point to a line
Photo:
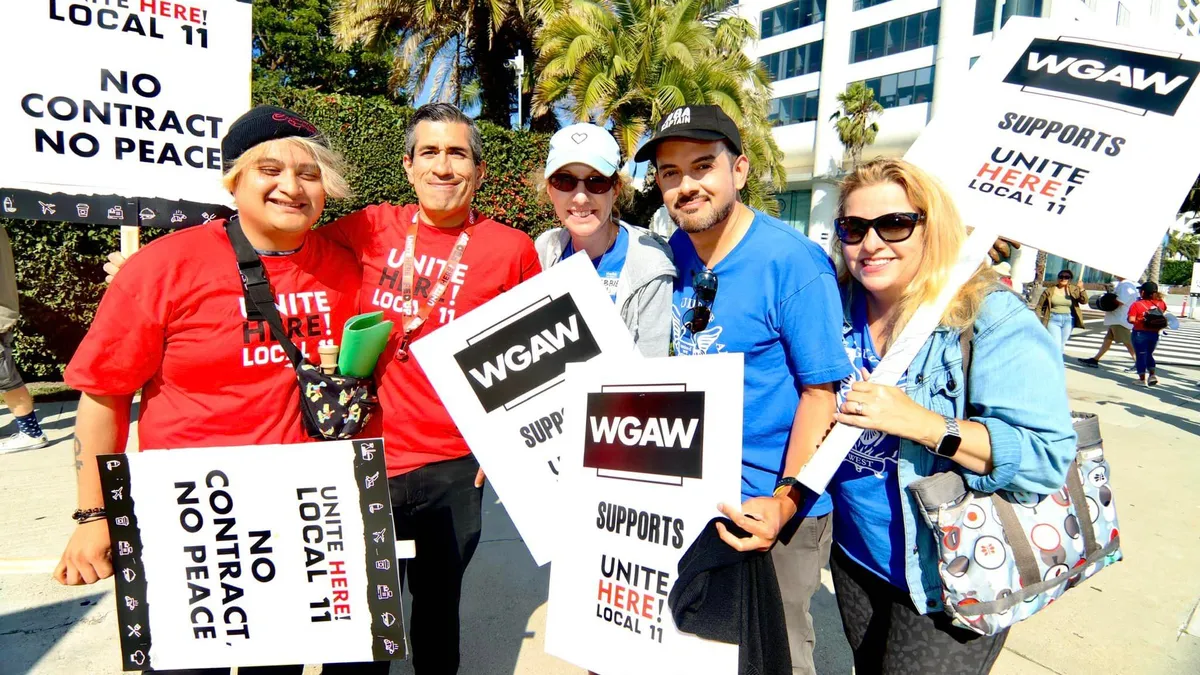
439	289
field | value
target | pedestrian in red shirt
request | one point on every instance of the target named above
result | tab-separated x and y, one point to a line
424	265
174	323
1148	316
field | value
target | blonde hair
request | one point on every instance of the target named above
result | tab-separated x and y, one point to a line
942	237
329	162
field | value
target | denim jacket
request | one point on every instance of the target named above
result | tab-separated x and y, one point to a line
1017	390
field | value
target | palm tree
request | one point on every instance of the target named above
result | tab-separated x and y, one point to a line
629	62
465	44
1183	246
855	120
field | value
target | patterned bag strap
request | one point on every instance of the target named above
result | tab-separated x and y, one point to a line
1082	510
1019	541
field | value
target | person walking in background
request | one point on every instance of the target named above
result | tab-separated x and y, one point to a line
1059	308
1148	316
1117	321
583	183
1004	270
29	434
898	236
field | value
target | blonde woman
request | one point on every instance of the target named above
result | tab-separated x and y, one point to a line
173	324
582	181
898	237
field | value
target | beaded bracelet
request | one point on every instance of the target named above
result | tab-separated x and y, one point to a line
82	515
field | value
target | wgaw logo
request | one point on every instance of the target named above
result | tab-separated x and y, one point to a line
527	353
1133	79
656	432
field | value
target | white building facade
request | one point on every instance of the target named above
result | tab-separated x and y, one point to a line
912	53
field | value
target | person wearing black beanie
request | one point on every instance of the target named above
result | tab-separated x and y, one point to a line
174	325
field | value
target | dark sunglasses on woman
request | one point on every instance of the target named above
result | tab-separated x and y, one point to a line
891	227
565	182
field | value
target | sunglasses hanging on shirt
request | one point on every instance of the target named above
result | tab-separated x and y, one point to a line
892	228
704	289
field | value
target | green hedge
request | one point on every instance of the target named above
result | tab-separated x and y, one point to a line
59	266
1176	273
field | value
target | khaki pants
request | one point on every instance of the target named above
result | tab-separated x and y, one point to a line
799	554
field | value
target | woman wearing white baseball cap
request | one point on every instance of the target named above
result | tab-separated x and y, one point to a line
582	180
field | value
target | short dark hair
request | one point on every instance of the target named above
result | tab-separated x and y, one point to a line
442	112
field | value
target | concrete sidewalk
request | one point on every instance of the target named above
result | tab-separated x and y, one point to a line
1125	620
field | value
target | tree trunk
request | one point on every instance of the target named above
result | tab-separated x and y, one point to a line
1039	276
1154	269
497	81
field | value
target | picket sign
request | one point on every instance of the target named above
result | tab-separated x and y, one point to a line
1056	125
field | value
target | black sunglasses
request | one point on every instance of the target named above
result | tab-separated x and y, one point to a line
891	227
704	288
565	182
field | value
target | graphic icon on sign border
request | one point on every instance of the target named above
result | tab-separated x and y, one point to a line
116	213
648	433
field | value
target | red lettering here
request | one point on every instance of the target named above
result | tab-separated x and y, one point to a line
344	596
1030	181
647	610
336	566
341	609
1050	188
605	592
1010	177
338	582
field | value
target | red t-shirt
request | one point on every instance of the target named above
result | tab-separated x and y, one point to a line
1137	311
173	323
417	428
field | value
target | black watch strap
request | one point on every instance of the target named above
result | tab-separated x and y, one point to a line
788	482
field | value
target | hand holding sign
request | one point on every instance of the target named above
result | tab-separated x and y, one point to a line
87	558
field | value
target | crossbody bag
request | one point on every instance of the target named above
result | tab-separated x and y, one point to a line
333	407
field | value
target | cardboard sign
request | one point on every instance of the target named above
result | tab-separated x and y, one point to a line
118	113
258	555
654	446
500	371
1073	138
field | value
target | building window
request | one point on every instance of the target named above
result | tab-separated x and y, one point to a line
792	15
793	109
895	36
907	88
985	11
973	60
794	208
863	4
794	62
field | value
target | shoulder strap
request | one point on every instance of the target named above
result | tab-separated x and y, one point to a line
260	301
964	341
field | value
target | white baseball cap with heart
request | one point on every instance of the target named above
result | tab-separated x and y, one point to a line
584	143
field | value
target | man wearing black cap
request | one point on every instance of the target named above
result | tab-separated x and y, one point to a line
750	283
173	324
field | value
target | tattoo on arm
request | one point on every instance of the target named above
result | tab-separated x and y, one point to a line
78	455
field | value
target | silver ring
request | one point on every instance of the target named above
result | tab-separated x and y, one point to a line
858	407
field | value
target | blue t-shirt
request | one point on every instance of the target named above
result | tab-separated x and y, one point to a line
777	303
610	263
867	523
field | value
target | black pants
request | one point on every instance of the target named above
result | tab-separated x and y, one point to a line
888	635
440	508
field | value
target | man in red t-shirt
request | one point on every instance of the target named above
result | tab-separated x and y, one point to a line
174	323
459	260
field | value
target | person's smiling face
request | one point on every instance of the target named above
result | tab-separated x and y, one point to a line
442	169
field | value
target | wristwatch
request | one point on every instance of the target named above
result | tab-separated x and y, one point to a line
785	485
950	440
